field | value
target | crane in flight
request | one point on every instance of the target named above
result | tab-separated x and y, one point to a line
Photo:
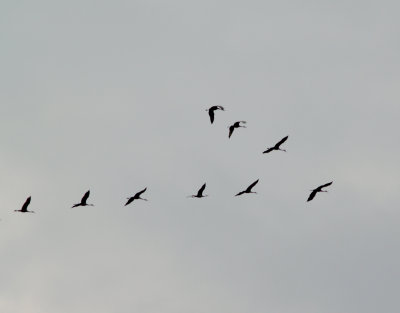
136	197
277	145
318	189
24	208
211	111
235	125
83	200
248	190
199	193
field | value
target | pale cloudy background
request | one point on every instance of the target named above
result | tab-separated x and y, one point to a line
111	96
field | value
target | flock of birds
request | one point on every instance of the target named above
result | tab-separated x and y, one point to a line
199	194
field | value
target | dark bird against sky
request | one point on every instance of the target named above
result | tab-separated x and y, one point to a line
83	200
211	111
318	189
136	197
235	125
199	193
277	145
24	208
248	190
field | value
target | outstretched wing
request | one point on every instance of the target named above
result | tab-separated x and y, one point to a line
231	128
85	197
240	193
200	192
312	195
326	185
25	206
281	142
268	150
140	192
211	113
129	200
251	186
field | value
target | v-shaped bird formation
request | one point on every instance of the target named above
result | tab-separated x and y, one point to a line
199	194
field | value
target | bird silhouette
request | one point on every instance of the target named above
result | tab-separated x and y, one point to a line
24	208
318	189
235	125
199	193
211	111
248	190
83	200
136	197
277	145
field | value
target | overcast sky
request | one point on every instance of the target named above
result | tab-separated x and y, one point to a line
111	96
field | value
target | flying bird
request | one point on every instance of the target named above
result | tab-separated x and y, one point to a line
235	125
318	189
83	200
136	197
211	111
248	190
199	193
24	208
277	145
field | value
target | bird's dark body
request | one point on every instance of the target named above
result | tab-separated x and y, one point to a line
318	189
277	145
248	189
24	208
200	192
136	197
211	111
83	200
235	125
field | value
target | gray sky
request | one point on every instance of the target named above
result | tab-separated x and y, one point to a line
111	96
